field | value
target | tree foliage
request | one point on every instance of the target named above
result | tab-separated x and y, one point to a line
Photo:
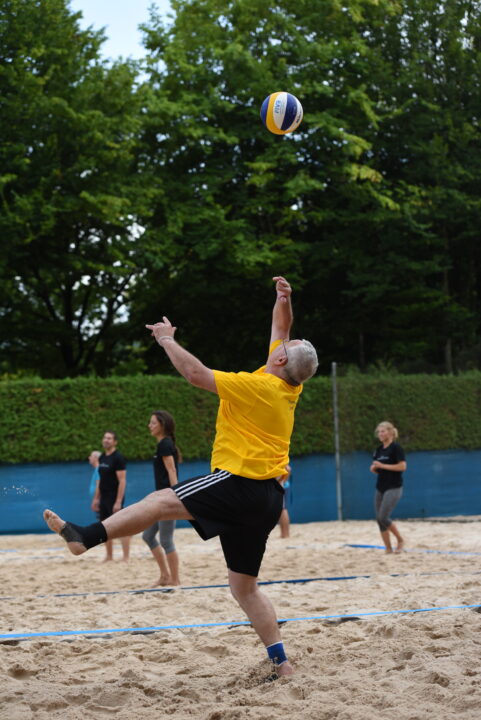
129	197
70	194
371	209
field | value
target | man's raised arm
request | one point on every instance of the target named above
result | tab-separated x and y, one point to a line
187	364
282	316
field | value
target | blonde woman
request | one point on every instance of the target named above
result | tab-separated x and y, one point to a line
389	462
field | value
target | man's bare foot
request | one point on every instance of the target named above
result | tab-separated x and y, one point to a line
64	529
388	551
162	582
107	559
400	547
285	669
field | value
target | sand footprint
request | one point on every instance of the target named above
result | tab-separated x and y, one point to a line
20	672
217	651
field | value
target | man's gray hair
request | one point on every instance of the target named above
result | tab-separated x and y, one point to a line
302	361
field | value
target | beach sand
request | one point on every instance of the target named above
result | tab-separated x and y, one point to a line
410	666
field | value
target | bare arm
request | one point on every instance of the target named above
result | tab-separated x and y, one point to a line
170	467
96	498
122	478
283	478
282	316
195	372
398	467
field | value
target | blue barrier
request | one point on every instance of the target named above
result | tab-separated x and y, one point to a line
436	484
26	490
441	483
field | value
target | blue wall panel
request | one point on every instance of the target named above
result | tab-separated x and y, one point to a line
436	484
312	494
26	490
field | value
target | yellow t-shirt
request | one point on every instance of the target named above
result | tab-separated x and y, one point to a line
254	423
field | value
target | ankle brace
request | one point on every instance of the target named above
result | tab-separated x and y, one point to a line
276	653
89	536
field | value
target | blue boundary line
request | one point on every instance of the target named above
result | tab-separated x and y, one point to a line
289	547
232	623
435	552
186	587
298	581
16	550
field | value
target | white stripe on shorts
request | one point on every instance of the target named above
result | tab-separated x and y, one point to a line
201	483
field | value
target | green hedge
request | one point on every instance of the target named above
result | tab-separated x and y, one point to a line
431	412
60	420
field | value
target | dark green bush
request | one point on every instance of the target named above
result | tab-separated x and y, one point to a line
60	420
431	412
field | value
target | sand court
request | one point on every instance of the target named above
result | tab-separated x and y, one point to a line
81	639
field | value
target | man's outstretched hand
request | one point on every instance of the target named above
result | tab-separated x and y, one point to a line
283	289
162	330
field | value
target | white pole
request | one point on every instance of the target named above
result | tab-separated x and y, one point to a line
335	412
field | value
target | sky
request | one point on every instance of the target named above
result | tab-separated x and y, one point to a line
121	19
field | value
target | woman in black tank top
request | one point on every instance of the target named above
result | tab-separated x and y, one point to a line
388	464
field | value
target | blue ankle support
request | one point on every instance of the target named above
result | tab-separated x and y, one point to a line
276	653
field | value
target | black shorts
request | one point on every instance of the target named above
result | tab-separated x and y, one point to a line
106	507
240	510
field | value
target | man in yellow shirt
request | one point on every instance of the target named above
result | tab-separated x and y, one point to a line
240	499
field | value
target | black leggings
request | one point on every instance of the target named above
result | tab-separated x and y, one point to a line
384	504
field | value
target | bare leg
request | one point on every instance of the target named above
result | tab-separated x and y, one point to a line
159	505
125	541
173	560
160	558
284	523
399	538
109	551
259	610
386	540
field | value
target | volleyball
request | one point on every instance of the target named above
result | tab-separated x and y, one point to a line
281	113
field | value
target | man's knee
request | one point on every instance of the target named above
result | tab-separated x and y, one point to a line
242	586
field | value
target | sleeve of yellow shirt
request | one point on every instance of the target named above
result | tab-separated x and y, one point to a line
242	388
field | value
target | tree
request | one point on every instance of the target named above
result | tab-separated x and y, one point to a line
426	86
123	202
70	191
365	208
234	204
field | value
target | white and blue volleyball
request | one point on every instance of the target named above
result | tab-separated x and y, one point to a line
281	113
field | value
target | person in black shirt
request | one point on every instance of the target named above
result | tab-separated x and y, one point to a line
389	462
110	491
166	460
